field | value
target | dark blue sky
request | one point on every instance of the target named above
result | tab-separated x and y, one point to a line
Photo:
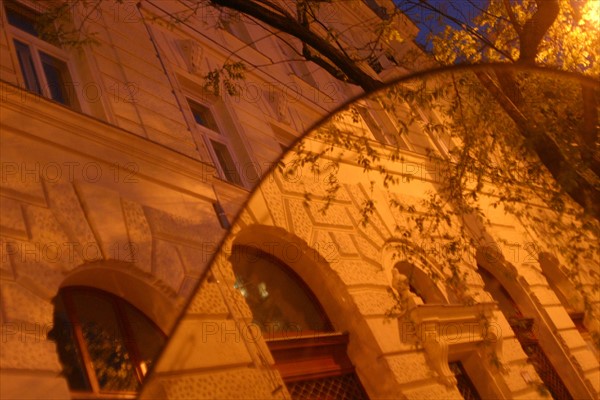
427	20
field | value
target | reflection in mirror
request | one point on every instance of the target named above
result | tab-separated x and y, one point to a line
105	345
279	300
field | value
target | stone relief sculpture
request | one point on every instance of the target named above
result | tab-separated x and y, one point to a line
191	52
277	102
401	288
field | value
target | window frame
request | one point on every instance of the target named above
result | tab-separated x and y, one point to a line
310	355
376	125
125	327
210	135
321	355
293	276
38	47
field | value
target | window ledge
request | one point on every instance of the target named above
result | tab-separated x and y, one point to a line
445	328
51	123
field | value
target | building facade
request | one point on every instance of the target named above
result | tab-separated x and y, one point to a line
125	272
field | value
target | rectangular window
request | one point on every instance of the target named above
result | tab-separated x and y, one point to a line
21	18
43	65
203	116
27	68
283	137
226	162
382	128
218	144
57	78
375	64
373	126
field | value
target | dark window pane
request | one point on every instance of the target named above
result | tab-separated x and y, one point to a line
27	68
147	338
22	18
278	299
68	351
203	116
105	343
463	382
57	76
226	162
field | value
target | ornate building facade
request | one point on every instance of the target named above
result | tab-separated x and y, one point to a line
125	272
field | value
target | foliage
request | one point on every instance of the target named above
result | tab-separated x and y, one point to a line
228	76
112	364
494	36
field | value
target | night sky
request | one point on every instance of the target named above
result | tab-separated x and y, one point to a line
426	20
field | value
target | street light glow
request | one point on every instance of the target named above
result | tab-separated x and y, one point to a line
591	13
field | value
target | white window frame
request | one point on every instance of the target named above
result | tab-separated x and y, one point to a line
209	135
36	46
189	87
373	116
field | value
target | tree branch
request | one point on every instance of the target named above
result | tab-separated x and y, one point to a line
425	4
535	28
331	69
353	73
511	16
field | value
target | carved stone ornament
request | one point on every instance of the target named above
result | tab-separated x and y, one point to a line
401	287
437	350
191	52
277	102
440	327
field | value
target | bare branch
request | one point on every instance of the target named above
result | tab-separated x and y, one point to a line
511	16
353	73
425	4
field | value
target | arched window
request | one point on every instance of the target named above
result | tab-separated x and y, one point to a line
105	345
280	301
421	283
522	325
308	353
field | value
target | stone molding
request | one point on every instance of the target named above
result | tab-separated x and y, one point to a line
434	327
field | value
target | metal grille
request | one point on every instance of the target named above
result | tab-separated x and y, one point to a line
523	328
463	382
344	387
547	372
